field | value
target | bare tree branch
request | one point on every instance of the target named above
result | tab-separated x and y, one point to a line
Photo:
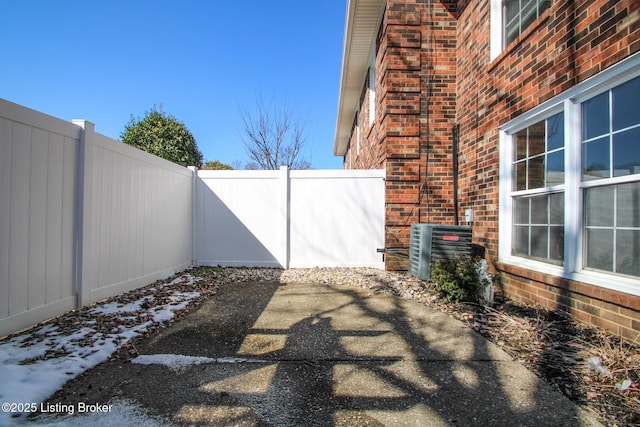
273	137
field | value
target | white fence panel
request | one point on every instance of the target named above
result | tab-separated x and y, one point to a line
337	218
137	218
241	218
82	217
290	219
38	188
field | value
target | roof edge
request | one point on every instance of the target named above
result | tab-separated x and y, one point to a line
361	27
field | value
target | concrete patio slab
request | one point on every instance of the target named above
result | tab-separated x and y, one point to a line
305	354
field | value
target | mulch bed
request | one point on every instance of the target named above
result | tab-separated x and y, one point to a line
592	367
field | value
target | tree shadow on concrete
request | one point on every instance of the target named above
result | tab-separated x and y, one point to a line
302	354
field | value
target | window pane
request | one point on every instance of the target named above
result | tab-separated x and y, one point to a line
521	144
599	249
511	9
595	159
544	5
556	202
626	152
536	139
529	13
520	181
555	132
628	205
555	168
539	211
521	240
556	243
625	104
595	116
628	252
536	172
539	241
599	206
521	207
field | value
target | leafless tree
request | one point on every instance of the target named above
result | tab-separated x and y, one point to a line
274	136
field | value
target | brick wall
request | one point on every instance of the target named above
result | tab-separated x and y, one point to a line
433	70
415	111
567	44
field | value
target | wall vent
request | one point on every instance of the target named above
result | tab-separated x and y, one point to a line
431	242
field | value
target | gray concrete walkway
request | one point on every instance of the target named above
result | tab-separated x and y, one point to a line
317	355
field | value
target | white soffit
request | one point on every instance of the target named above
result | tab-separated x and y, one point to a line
361	28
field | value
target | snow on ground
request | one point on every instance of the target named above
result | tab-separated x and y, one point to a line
178	363
38	362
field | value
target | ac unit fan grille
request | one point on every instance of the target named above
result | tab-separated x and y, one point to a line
431	242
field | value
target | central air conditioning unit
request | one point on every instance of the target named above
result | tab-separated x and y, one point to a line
431	242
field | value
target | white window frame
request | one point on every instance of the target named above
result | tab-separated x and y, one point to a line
372	89
569	102
358	132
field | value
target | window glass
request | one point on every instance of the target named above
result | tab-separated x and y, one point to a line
612	228
539	241
539	210
536	172
536	140
538	230
555	132
595	116
625	105
595	159
521	240
539	154
599	249
628	205
599	206
556	243
628	252
520	181
626	152
529	13
517	15
556	205
555	168
521	210
521	144
608	195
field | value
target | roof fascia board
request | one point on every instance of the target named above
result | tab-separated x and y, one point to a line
363	19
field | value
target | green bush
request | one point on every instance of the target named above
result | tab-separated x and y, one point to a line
459	279
162	134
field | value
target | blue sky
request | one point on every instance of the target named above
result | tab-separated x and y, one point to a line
201	60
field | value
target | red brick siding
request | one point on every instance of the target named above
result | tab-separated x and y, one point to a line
433	70
567	44
415	58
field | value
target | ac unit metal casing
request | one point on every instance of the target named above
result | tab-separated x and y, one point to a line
431	242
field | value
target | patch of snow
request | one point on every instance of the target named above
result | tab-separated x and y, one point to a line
37	363
175	362
178	362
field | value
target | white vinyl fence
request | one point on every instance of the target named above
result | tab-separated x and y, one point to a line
84	217
323	218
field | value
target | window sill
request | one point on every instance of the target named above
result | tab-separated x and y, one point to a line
523	36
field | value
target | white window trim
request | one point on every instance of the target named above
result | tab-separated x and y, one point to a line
495	24
372	88
358	132
569	102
